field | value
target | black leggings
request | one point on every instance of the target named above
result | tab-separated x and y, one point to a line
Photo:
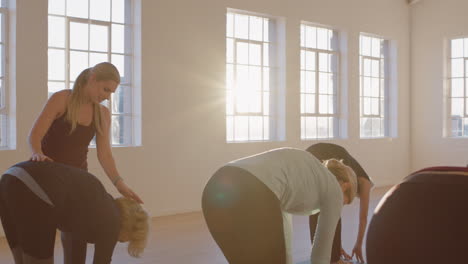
421	222
29	223
244	218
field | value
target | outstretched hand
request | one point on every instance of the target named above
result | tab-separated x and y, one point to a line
345	255
40	157
123	189
357	250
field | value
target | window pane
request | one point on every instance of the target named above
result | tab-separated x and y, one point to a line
57	7
79	36
375	87
309	103
323	42
2	95
266	54
229	77
229	103
241	26
95	58
56	32
56	68
367	67
367	91
241	128
375	106
255	102
229	50
323	63
255	78
77	8
310	82
119	103
119	63
230	25
375	72
266	79
457	87
266	128
311	127
255	54
457	48
457	67
100	10
118	11
367	106
242	53
55	87
3	131
323	104
310	60
99	36
266	103
465	45
121	127
376	45
255	29
266	32
323	83
457	107
78	63
311	37
365	46
322	127
256	128
229	128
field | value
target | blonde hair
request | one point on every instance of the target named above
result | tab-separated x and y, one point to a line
134	220
343	174
103	71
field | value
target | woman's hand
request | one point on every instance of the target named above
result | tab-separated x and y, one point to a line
40	157
357	250
127	192
345	255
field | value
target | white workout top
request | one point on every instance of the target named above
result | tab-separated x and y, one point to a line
303	186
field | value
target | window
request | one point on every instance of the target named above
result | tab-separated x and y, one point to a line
5	122
458	80
319	82
250	73
373	87
83	33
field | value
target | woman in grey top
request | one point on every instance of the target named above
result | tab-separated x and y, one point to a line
247	204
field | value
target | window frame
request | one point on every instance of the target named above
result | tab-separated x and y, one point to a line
269	124
385	79
128	81
337	87
6	125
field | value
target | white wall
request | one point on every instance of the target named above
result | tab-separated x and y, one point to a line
183	60
433	23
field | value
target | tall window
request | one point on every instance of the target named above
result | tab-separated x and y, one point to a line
319	82
458	83
249	65
373	87
83	33
4	92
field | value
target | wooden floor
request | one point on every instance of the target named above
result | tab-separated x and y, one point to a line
184	238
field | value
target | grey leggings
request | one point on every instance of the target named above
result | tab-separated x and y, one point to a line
244	218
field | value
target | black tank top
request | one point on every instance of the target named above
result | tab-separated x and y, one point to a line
63	147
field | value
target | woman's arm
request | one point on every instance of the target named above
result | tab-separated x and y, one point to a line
106	159
54	108
364	187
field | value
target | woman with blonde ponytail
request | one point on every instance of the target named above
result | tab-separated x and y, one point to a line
67	124
248	204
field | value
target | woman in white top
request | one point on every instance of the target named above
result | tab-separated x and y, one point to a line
247	204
